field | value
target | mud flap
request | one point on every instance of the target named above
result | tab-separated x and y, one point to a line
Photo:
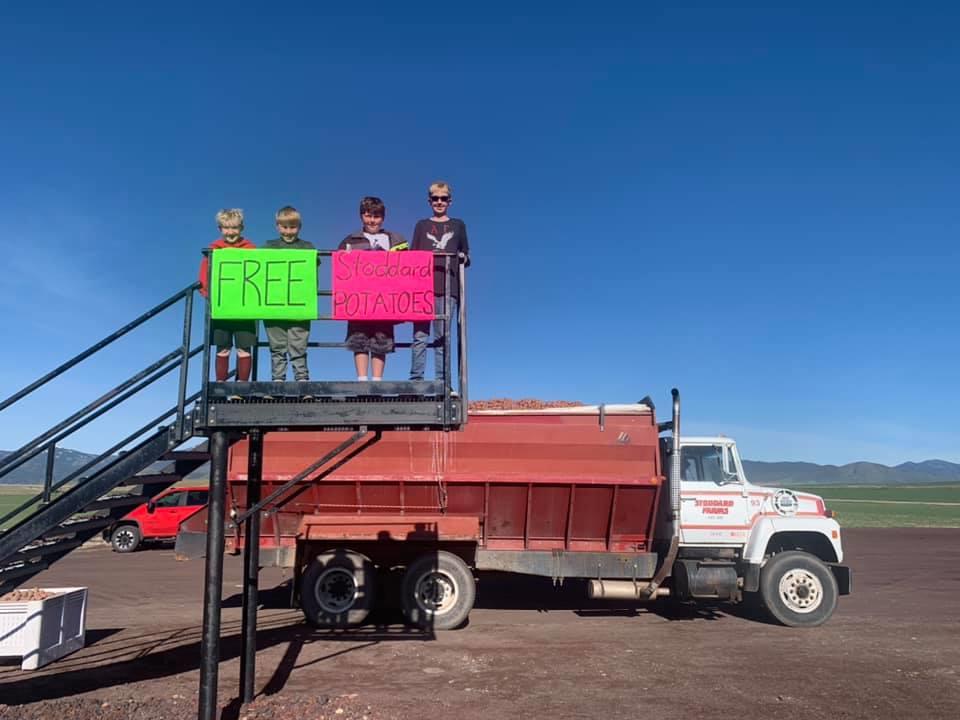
844	577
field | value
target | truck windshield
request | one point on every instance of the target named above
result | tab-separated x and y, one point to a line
703	464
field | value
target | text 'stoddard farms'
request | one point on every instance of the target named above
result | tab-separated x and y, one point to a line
383	285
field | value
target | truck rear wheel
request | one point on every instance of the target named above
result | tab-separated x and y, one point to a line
438	591
337	590
798	590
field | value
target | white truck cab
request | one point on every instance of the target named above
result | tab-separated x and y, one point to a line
779	545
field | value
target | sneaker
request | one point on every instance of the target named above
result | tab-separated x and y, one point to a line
267	397
234	398
306	398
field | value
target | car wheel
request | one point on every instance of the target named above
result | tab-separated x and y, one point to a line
126	538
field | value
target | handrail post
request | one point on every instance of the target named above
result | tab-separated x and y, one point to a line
185	361
205	379
446	325
48	475
462	343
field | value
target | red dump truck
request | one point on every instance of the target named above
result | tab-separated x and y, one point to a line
574	492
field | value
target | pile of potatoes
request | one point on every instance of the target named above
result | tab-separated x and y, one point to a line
26	595
522	404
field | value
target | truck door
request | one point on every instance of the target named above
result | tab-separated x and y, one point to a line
165	518
713	502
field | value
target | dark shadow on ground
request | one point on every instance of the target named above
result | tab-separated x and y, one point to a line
172	652
275	598
508	591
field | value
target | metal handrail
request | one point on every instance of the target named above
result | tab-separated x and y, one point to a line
97	460
48	440
52	442
103	399
137	322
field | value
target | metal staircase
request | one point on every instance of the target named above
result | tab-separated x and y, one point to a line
75	508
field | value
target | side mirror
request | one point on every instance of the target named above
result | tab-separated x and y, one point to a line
729	467
151	506
729	477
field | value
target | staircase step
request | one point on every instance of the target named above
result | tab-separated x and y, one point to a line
77	527
186	455
151	479
116	501
47	549
10	573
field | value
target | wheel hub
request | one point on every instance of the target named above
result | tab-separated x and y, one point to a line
436	592
801	591
336	590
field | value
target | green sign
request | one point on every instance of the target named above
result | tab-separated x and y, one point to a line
263	284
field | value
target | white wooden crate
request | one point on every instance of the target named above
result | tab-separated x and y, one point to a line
40	631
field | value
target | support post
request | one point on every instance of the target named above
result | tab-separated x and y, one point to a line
48	474
213	578
251	569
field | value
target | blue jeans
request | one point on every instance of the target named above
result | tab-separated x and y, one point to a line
421	332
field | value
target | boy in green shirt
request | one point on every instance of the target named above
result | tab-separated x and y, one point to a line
288	337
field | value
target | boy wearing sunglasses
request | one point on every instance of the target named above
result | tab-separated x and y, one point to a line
440	234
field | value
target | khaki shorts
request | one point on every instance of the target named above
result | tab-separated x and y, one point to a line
226	334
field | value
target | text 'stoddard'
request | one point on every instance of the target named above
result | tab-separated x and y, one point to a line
263	284
383	285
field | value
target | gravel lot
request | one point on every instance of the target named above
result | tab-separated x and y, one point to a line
892	649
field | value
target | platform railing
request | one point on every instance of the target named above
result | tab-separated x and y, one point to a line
453	387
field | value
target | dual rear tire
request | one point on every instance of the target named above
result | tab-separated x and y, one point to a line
438	591
338	590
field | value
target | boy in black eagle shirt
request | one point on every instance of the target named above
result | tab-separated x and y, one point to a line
444	234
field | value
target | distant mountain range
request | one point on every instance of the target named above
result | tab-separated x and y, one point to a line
761	473
858	473
32	472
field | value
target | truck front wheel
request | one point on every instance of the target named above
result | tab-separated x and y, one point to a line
337	589
798	590
438	591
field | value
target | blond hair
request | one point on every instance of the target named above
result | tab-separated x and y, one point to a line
230	216
439	187
288	214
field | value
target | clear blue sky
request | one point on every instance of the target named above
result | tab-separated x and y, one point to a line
756	205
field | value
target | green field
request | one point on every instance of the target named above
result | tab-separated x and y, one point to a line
892	506
12	496
856	505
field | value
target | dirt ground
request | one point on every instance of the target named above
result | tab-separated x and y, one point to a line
891	650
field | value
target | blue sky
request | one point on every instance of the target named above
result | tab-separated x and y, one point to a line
756	205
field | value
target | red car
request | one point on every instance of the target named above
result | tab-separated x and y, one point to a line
158	519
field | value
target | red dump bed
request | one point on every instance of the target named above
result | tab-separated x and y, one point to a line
585	478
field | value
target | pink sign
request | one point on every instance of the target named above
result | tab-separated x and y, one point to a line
381	285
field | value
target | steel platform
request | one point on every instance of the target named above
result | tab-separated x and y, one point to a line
386	405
